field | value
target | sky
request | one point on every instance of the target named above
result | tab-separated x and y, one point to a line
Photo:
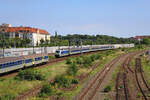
121	18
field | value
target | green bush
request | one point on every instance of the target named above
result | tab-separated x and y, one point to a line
139	95
122	49
73	69
79	60
107	53
46	90
93	57
8	97
62	81
75	81
107	88
51	57
3	79
59	95
69	61
30	74
107	99
87	62
98	56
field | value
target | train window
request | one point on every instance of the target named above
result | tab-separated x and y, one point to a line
21	62
26	61
57	51
16	63
46	57
8	64
1	66
5	65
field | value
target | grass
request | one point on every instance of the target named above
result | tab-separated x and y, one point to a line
146	69
53	70
16	87
71	94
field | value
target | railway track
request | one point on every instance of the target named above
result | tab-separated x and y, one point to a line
125	83
122	88
142	85
37	89
92	88
142	76
122	92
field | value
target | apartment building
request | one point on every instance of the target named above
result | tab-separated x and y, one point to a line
34	34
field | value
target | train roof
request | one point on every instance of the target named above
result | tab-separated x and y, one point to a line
10	59
34	55
76	48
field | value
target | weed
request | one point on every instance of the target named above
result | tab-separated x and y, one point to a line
69	61
107	88
7	97
46	90
30	74
73	69
63	81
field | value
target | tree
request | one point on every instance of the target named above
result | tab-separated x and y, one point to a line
73	69
146	41
41	41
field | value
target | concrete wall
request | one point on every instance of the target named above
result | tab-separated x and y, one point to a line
28	51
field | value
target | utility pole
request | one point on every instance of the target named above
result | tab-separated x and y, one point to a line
81	46
33	47
3	34
69	46
46	45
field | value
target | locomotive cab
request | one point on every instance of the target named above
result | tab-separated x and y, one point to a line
57	53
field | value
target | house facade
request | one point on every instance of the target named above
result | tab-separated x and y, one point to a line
34	34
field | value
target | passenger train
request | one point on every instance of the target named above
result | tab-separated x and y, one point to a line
77	50
13	63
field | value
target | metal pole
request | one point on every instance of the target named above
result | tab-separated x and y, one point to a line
59	44
3	44
81	46
33	47
46	45
41	49
69	46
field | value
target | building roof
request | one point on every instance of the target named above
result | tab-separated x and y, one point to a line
26	30
141	37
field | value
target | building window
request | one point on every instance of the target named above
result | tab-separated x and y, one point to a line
16	35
